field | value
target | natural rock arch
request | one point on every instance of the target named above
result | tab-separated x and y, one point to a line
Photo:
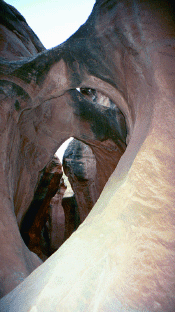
122	256
41	108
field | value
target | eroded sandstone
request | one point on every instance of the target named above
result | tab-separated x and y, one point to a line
122	256
37	227
40	109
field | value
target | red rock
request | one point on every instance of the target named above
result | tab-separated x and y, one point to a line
17	38
88	169
122	256
33	126
57	217
40	213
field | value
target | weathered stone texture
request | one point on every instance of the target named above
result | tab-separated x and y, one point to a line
121	258
17	38
37	224
88	169
40	109
80	166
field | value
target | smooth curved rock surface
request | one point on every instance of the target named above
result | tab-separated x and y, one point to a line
121	258
17	38
40	109
17	41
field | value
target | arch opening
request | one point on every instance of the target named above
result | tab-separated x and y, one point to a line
71	184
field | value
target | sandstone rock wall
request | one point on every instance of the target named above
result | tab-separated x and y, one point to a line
40	109
80	166
89	167
38	227
17	38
